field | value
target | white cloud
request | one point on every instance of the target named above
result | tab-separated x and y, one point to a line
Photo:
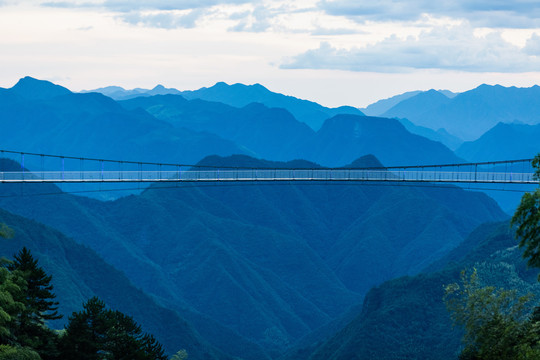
488	13
164	19
532	46
133	5
447	48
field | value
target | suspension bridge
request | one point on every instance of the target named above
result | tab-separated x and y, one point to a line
65	169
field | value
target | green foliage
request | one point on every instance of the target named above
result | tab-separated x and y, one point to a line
39	306
11	287
17	353
180	355
495	321
39	296
6	232
27	303
99	333
527	222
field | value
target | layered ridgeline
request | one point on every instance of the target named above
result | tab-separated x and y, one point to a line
38	116
79	274
470	114
406	318
503	141
269	262
240	95
274	133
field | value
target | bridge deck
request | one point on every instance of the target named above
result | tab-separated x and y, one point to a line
253	175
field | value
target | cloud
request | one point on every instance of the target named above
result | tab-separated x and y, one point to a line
164	19
257	20
447	48
134	5
485	13
532	47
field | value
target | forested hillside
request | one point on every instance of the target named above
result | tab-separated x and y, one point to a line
297	256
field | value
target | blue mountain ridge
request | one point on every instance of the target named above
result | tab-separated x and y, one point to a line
471	113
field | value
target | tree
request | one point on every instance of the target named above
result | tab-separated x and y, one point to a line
10	290
6	232
17	353
527	221
180	355
496	321
39	306
39	296
98	333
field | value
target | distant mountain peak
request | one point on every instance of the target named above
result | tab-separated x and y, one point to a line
366	161
31	88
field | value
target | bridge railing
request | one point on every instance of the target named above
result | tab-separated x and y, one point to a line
395	175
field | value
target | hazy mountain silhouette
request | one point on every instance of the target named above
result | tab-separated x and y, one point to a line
472	113
503	141
38	116
381	106
119	93
441	135
30	88
275	134
240	95
418	105
346	137
270	133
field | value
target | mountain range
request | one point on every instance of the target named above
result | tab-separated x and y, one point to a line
274	133
79	273
265	271
503	141
270	263
470	114
240	95
407	318
171	129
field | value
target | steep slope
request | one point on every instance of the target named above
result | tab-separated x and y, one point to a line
472	113
418	105
275	134
504	141
30	88
270	262
441	135
406	317
381	106
270	133
344	138
79	273
240	95
37	116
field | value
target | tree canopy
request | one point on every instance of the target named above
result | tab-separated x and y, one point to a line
27	302
527	221
498	323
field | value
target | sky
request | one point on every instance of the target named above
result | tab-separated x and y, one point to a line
335	52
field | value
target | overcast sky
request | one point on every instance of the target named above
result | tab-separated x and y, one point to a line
335	52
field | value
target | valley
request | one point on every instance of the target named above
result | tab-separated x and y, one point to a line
295	270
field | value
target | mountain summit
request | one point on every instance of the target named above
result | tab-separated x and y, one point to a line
240	95
35	89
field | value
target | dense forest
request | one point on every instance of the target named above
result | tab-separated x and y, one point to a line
297	271
27	302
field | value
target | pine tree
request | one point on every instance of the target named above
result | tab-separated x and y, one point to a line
39	306
10	290
99	333
85	333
